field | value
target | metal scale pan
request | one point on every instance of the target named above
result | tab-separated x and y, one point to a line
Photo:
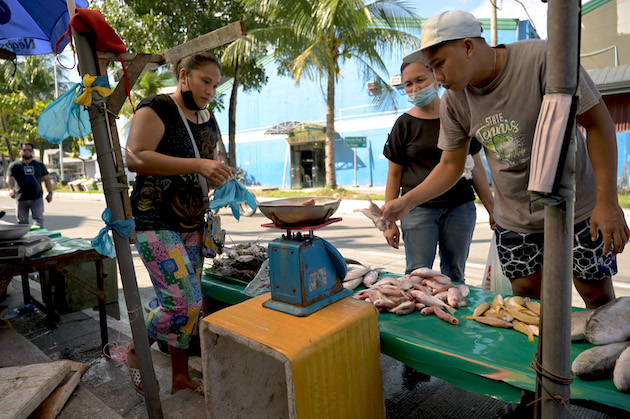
299	211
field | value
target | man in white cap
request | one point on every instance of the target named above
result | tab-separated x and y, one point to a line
495	95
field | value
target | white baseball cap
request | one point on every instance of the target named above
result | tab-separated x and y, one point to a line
446	26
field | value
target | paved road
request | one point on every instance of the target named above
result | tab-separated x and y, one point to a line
355	237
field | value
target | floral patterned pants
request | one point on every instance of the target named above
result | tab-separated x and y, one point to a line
174	262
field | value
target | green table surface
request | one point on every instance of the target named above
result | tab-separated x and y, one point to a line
476	357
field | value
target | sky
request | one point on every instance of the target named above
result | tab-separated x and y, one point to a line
536	9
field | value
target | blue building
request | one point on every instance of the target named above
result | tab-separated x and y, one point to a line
280	131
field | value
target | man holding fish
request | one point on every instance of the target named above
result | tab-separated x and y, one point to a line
495	94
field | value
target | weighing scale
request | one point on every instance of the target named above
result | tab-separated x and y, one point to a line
25	247
306	271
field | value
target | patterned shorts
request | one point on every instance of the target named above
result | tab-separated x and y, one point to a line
174	262
521	254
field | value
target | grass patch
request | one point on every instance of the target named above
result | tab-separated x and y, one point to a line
68	189
333	193
624	200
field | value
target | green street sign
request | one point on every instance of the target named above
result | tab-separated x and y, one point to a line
358	142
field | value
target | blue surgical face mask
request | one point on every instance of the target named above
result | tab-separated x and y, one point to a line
423	96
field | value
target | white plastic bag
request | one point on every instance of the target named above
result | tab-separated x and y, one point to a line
493	278
261	282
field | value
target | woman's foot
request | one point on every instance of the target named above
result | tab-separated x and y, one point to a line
185	383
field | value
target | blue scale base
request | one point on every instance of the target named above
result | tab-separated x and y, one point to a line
300	311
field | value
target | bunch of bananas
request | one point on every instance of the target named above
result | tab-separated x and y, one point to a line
516	312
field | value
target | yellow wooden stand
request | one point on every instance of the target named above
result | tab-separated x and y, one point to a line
263	363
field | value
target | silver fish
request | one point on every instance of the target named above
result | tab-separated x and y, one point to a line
370	278
353	283
609	323
578	324
598	361
355	272
621	373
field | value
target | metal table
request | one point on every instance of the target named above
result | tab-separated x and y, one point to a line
478	358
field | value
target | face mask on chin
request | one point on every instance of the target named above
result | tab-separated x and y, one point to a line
423	96
189	100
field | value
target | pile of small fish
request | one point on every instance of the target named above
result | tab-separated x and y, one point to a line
241	261
358	275
516	312
608	327
424	289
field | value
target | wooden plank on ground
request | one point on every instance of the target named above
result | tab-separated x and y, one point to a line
50	408
23	388
207	41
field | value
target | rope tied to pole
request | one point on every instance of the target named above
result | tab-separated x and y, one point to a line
540	372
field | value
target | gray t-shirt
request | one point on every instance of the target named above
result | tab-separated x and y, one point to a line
502	116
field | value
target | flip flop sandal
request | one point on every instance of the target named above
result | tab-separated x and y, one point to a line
200	390
136	380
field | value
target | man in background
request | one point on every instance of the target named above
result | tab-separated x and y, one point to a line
24	178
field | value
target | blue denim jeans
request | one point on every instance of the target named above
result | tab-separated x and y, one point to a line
452	228
35	206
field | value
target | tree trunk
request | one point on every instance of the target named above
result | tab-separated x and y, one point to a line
232	117
6	139
42	156
5	167
331	175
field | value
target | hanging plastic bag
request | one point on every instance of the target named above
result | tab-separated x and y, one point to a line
493	278
213	235
261	282
231	193
64	118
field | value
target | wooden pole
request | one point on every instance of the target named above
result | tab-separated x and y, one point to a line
113	197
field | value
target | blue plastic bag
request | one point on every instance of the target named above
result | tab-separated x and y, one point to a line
64	118
231	193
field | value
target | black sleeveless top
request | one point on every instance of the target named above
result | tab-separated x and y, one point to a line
173	202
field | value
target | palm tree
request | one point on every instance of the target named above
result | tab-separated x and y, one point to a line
314	37
24	86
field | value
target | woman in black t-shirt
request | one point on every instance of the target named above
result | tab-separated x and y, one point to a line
168	204
449	219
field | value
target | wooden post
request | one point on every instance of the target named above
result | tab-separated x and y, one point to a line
113	197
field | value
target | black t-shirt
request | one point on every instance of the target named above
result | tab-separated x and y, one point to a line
28	179
173	202
412	143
